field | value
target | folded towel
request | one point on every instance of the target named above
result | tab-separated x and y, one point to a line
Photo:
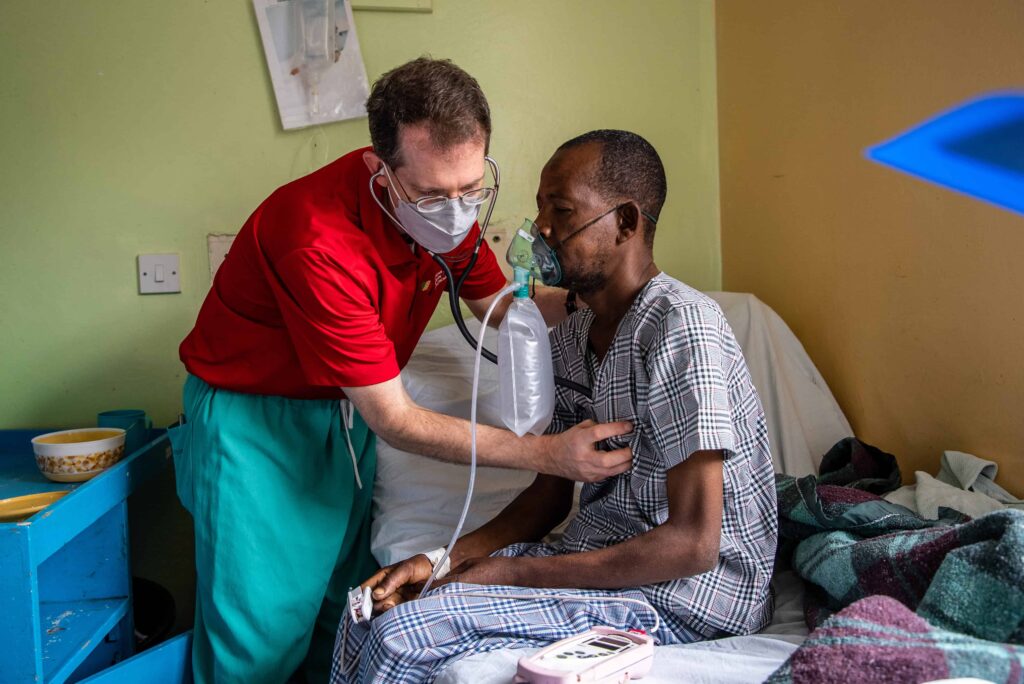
964	483
967	471
930	494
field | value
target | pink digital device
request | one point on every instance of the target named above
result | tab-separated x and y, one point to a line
602	654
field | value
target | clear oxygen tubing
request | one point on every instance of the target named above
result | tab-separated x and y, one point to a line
472	436
479	345
509	289
469	497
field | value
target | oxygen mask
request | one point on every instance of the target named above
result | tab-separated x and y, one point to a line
530	253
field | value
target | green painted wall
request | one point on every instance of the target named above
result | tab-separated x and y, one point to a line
136	127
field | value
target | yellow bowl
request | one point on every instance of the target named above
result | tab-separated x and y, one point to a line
77	455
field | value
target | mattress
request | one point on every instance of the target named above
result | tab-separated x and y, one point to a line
733	660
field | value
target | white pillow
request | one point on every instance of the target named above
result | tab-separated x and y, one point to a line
417	500
804	420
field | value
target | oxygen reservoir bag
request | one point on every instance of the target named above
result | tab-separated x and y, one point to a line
526	382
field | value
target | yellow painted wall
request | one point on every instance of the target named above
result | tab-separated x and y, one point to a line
136	127
907	295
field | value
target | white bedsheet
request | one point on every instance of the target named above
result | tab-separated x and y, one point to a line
804	420
735	660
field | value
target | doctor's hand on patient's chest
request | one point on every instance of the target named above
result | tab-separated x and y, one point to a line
574	454
398	583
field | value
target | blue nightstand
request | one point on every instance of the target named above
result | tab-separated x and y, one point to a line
65	582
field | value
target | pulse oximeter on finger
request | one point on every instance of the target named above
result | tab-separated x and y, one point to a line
360	605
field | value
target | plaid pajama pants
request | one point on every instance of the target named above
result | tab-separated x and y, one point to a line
414	641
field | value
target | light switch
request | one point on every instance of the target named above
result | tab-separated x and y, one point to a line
159	274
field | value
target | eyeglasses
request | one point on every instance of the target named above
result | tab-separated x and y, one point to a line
430	205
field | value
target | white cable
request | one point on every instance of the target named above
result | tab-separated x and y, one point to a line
444	563
472	437
344	647
566	597
469	497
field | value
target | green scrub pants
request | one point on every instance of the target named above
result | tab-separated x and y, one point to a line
282	531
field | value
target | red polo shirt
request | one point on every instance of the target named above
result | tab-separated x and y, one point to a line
321	291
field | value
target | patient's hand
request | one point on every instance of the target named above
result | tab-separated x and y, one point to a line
398	583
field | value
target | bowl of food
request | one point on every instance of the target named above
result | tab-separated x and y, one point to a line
77	455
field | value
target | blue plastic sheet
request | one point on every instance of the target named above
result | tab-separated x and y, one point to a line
976	148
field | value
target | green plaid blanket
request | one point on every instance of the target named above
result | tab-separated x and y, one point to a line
961	575
878	640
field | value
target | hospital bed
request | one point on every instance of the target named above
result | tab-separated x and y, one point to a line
417	501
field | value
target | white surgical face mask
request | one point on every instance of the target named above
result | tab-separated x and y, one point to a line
439	231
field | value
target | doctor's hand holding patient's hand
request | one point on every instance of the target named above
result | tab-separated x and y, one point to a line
574	455
398	583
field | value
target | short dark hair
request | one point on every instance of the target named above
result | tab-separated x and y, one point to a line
431	91
630	170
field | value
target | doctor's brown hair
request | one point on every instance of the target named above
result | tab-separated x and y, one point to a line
431	91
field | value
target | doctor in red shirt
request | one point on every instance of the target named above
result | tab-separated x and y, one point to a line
294	368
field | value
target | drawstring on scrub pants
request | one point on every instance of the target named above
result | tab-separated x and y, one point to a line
348	416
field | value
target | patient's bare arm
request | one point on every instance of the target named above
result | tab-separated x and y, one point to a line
687	544
530	516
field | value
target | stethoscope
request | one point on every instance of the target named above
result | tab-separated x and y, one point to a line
455	286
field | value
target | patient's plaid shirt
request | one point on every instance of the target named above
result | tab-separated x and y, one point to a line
677	373
675	370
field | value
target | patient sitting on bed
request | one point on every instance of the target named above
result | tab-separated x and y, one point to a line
690	529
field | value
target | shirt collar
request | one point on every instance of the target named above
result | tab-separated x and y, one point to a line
586	318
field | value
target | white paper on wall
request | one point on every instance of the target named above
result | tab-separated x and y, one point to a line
317	71
217	247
